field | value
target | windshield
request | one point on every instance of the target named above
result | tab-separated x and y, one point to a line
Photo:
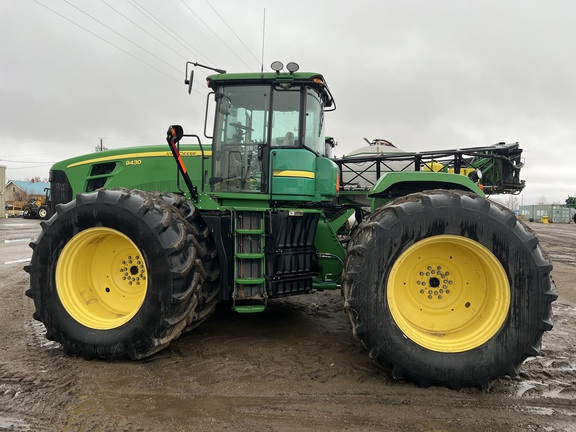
286	118
243	115
241	132
248	117
314	139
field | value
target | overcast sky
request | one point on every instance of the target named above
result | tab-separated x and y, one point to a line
425	75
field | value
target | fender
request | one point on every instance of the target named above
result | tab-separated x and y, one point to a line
394	184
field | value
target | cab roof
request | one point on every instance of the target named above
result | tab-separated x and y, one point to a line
312	79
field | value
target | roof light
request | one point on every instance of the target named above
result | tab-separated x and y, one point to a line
292	67
277	66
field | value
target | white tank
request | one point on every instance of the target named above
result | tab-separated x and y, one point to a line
362	175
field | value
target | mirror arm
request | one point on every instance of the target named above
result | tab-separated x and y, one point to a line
173	137
189	78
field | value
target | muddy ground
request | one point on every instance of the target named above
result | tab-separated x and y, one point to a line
294	367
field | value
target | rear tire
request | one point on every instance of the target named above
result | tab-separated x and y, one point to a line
447	288
208	297
115	274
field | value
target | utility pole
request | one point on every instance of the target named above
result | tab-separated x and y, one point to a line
100	148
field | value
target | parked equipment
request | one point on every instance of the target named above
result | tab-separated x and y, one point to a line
39	207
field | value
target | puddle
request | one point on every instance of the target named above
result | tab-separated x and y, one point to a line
13	424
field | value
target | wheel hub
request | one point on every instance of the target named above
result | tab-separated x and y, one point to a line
101	278
132	270
448	293
435	282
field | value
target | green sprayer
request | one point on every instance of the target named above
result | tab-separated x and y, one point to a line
441	285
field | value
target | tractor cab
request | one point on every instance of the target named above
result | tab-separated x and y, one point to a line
269	134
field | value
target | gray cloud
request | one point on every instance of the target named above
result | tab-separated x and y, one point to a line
423	74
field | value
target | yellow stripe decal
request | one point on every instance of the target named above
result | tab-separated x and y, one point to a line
294	173
183	153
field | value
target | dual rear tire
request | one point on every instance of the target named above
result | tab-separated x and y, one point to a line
120	274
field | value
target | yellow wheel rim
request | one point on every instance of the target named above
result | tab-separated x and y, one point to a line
448	293
101	278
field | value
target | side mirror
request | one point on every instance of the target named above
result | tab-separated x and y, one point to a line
175	133
224	105
189	81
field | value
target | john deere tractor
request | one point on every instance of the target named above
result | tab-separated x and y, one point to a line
440	284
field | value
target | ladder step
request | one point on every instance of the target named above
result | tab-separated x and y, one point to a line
249	308
249	295
249	231
250	281
247	255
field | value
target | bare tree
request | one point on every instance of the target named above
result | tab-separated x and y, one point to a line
542	200
20	195
512	202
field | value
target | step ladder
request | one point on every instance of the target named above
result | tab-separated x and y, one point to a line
249	294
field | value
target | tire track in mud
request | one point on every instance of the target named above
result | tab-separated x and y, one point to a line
34	388
553	373
546	385
40	389
47	392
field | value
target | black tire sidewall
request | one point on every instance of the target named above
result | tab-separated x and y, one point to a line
138	334
401	226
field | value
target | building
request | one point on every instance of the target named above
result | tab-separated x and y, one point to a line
17	192
554	213
2	197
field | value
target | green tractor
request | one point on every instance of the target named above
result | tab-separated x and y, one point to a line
441	285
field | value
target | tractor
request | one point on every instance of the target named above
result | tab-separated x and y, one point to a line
38	207
441	285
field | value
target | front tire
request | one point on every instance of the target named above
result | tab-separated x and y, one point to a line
43	213
115	274
447	288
